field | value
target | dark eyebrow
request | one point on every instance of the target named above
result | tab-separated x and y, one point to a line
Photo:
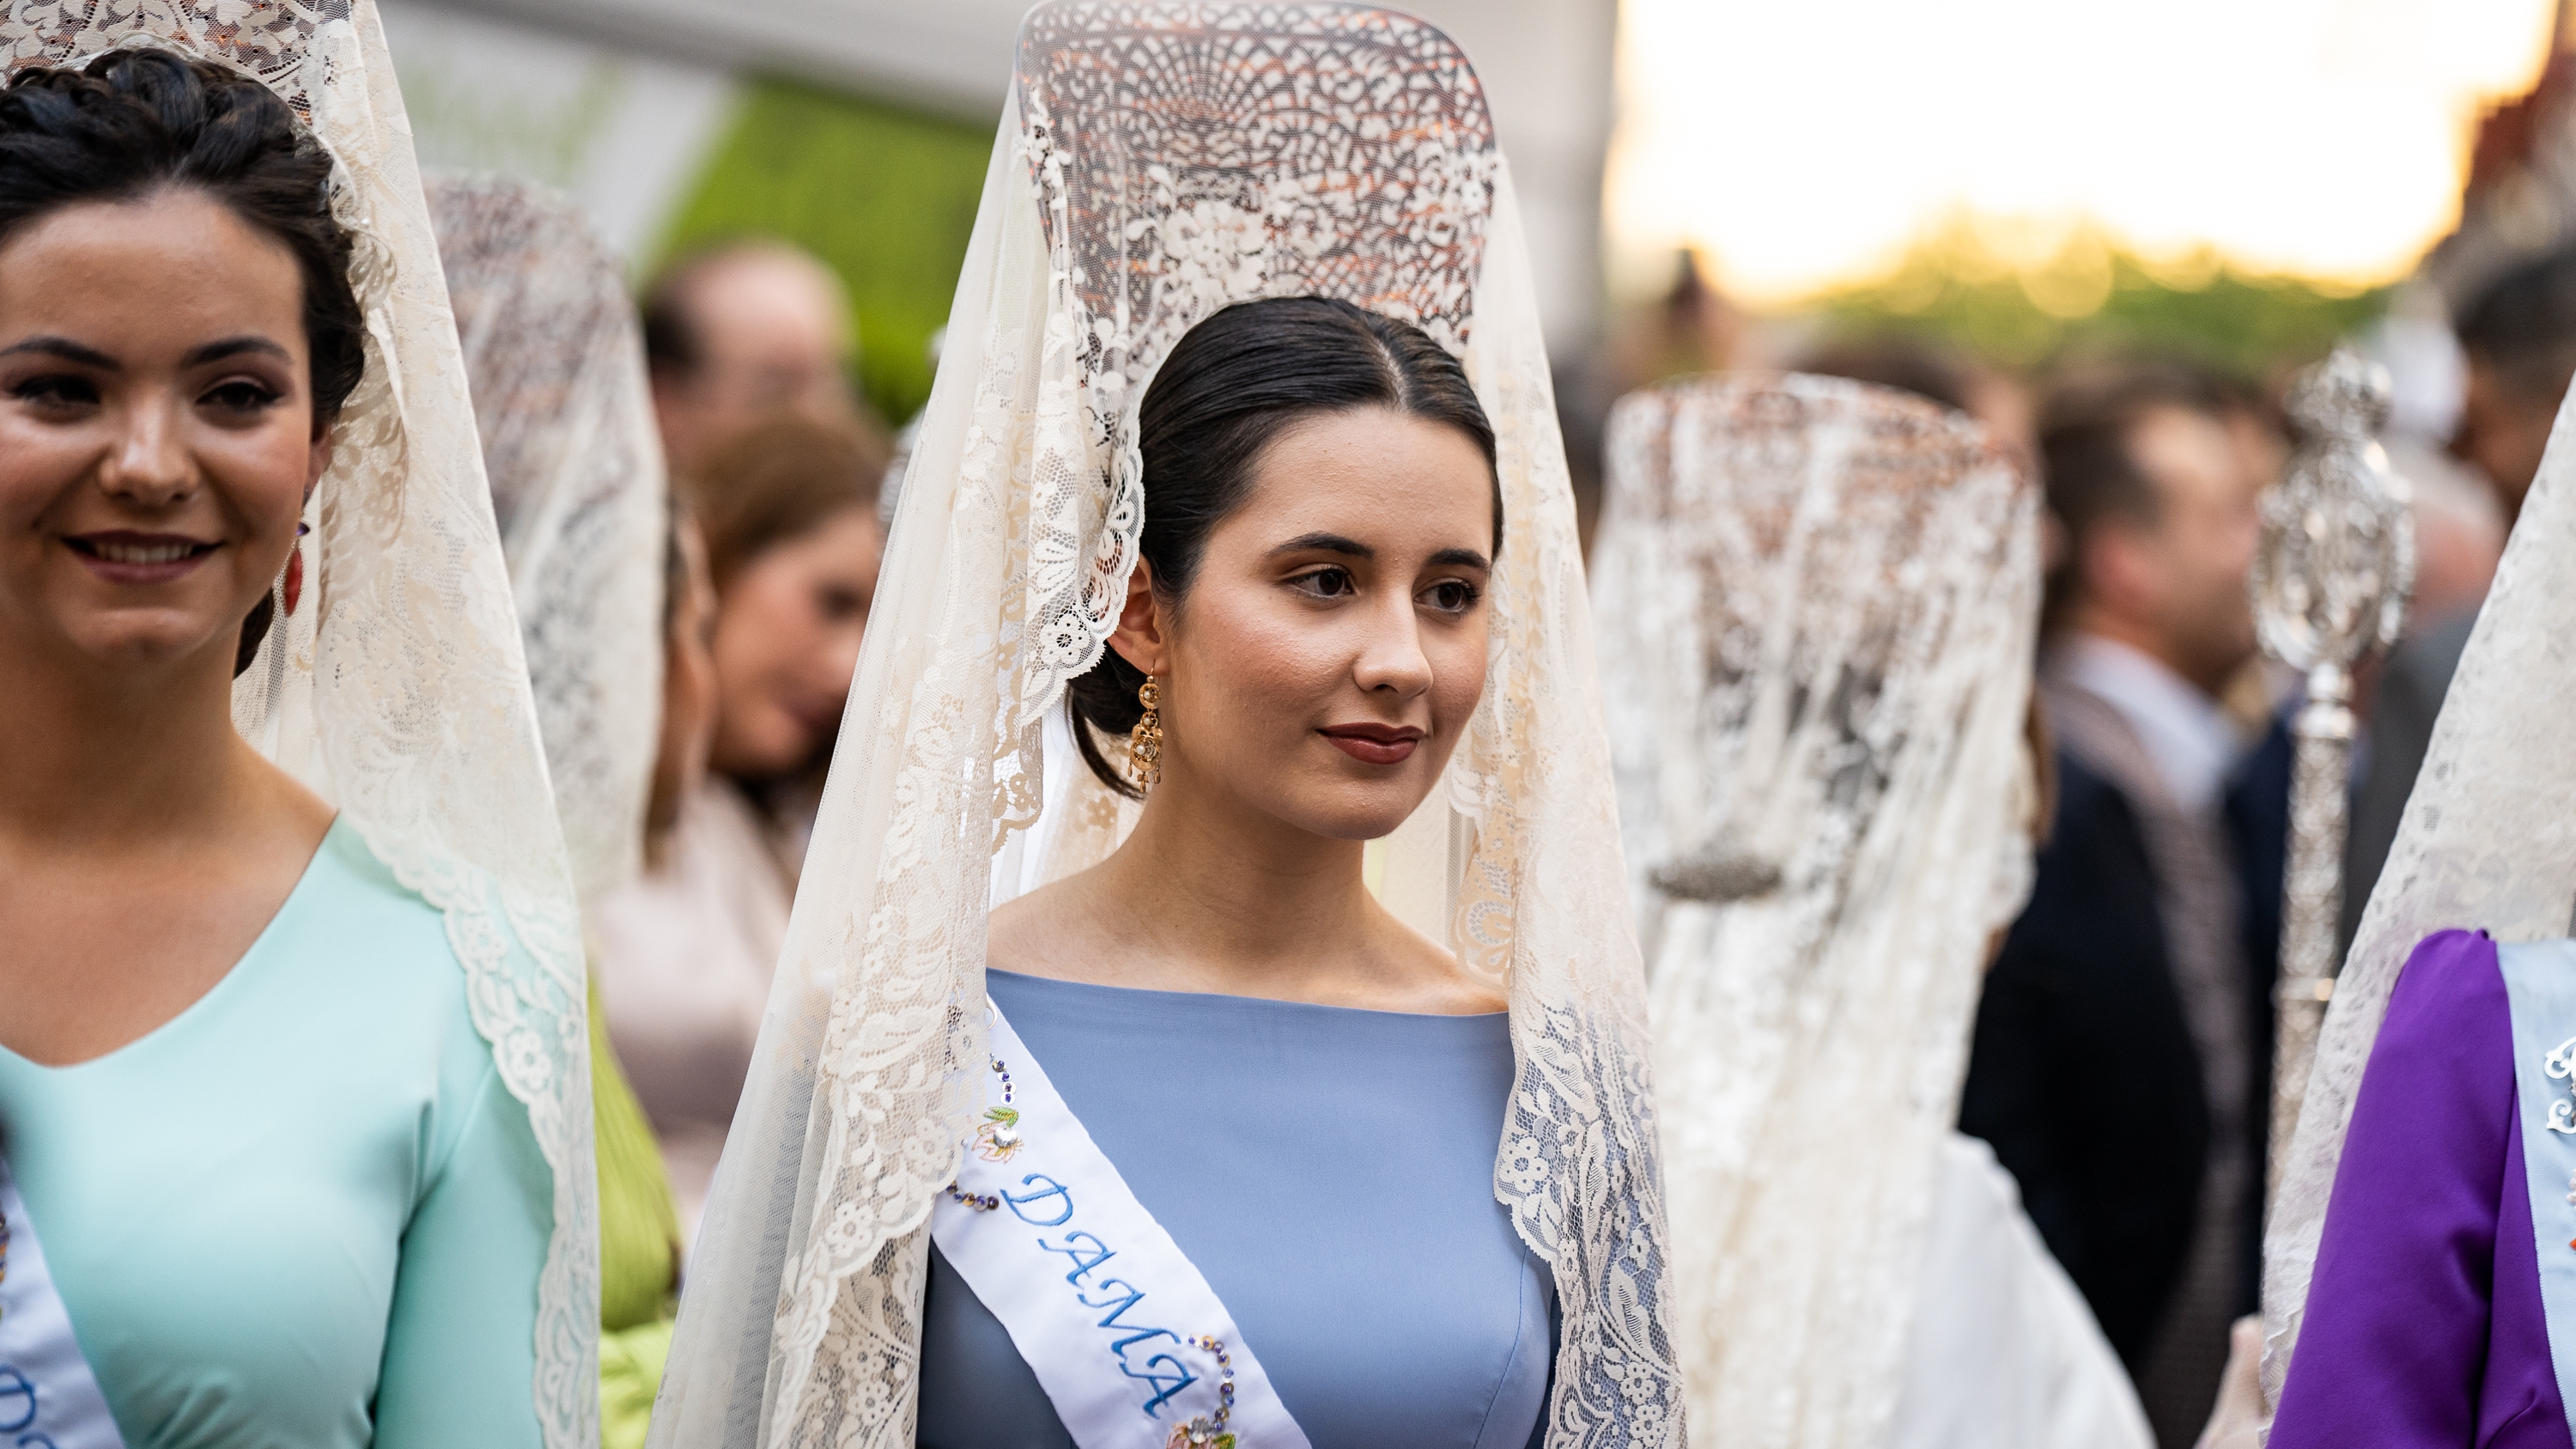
1325	543
66	349
235	347
1464	558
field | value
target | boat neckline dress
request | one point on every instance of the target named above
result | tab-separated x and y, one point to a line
1330	1171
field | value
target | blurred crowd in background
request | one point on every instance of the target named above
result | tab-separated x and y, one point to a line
795	256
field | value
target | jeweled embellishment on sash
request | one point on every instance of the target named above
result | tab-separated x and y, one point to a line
1079	1273
996	1140
1208	1431
2560	1064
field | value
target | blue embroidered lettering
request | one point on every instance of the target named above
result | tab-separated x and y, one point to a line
1120	1347
38	1440
14	1385
1101	1253
1134	1296
1053	1189
1169	1384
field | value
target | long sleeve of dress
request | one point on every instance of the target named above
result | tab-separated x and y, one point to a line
460	1350
2423	1324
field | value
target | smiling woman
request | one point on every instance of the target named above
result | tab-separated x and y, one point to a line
160	428
260	296
233	407
376	1212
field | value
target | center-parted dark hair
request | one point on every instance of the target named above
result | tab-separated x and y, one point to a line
133	122
1231	386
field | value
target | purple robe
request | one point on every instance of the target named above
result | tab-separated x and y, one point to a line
2424	1322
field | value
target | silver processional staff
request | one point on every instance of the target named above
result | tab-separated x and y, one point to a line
2330	583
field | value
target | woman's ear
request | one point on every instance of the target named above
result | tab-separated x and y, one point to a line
1139	636
317	463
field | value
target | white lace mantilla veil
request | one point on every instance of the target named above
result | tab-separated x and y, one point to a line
397	689
1817	602
1156	163
2488	841
555	358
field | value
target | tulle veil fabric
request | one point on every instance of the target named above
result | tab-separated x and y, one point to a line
1156	162
1816	604
2488	841
397	689
556	360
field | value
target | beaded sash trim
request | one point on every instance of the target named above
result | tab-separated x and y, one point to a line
1132	1346
48	1397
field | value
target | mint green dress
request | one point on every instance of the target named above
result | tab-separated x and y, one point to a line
305	1211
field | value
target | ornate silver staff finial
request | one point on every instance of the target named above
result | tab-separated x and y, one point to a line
2330	584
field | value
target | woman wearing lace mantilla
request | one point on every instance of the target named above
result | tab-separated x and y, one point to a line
1241	482
1816	602
787	513
555	364
2420	1262
294	1063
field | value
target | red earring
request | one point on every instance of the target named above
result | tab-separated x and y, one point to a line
294	588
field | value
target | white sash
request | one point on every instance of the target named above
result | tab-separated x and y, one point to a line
2540	982
1129	1342
48	1398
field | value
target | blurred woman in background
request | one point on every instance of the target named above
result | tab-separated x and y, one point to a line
1816	601
553	361
789	520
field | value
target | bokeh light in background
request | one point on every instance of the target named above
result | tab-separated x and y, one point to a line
1804	147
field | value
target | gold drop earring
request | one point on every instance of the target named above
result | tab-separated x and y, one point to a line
1145	741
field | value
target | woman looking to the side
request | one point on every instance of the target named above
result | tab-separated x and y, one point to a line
792	543
283	1189
1321	520
1319	1111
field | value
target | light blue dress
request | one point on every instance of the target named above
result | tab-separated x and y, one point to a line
1331	1173
305	1211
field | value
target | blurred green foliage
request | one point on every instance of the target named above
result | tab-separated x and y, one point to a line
2084	294
883	194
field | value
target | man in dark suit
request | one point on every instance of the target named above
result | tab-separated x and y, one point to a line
2121	1043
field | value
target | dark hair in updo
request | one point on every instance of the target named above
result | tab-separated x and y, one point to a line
133	122
1231	386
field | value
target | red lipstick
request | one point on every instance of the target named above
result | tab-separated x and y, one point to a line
1374	744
